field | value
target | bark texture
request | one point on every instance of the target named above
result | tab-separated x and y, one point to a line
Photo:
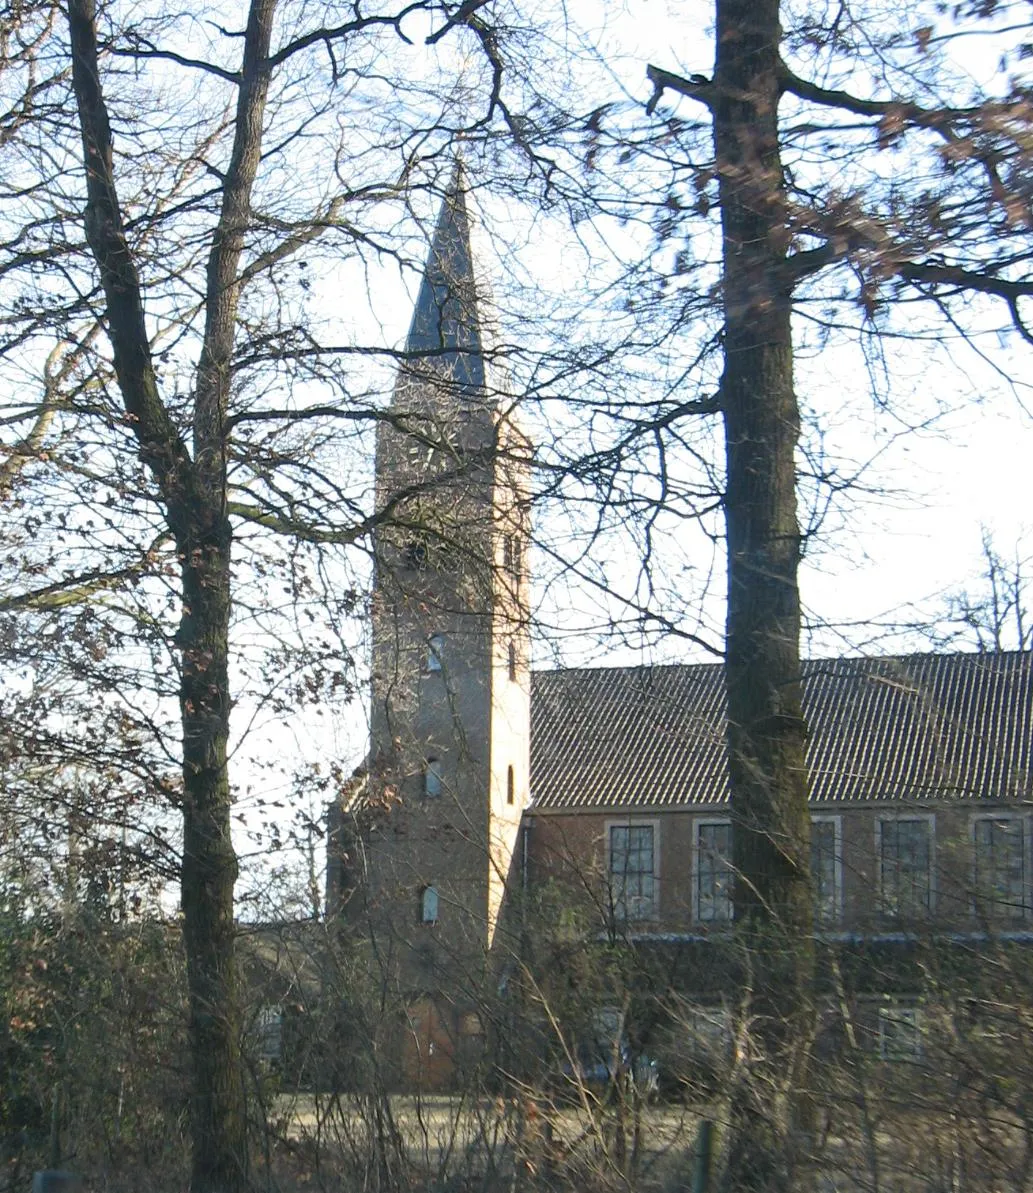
766	730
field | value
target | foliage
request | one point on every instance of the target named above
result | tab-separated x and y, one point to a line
93	1041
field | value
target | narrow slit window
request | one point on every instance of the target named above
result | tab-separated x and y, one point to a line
512	660
429	905
435	647
432	778
512	555
510	786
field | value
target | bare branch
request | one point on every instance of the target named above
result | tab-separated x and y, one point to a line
145	50
161	446
696	87
933	118
460	17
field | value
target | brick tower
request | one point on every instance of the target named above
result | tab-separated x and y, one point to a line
448	766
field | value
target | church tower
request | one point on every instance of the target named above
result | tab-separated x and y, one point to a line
450	719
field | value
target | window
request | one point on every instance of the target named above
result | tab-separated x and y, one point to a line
512	555
999	851
512	660
510	786
416	554
432	777
713	886
632	869
905	866
709	1031
429	905
269	1032
900	1032
826	868
435	646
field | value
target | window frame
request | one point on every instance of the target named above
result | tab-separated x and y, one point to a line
980	904
618	902
837	858
927	818
701	822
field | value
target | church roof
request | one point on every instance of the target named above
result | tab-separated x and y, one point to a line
909	728
447	324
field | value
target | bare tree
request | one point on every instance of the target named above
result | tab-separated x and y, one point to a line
993	611
786	106
194	400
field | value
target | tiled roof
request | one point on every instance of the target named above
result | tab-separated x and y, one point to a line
907	727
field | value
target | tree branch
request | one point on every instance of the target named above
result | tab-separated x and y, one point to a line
461	17
934	118
964	279
696	87
138	51
298	240
223	277
296	528
339	31
980	283
161	447
71	591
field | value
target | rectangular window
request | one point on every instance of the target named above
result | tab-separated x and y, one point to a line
827	868
713	871
269	1032
632	866
905	866
900	1032
999	848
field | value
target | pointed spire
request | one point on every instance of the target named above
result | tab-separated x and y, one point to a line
446	324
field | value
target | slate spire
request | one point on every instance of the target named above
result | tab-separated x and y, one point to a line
446	330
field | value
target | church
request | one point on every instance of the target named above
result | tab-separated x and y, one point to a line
488	783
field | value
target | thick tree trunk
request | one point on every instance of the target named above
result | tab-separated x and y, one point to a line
765	723
193	490
218	1119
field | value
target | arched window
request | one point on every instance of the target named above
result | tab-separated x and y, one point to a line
512	659
510	786
432	777
429	905
435	645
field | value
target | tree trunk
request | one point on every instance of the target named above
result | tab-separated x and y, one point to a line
766	731
218	1119
194	493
